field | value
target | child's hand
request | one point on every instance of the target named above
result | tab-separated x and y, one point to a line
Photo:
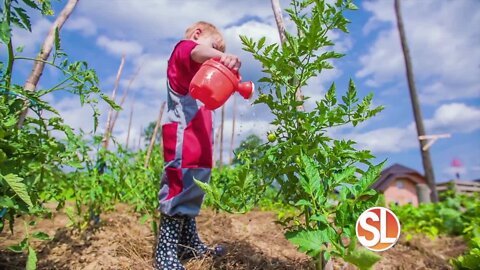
231	61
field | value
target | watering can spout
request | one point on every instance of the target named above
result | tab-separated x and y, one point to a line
246	89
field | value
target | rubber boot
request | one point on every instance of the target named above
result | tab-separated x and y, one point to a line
166	253
190	245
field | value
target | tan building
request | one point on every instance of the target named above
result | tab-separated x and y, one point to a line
400	185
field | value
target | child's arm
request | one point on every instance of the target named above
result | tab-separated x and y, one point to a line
202	53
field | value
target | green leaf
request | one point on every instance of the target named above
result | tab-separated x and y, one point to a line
5	32
303	202
144	219
32	259
371	176
24	18
345	174
6	202
41	235
31	4
312	174
311	242
362	258
57	40
110	102
352	6
15	182
20	247
19	49
261	42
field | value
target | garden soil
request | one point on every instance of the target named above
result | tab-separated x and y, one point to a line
253	241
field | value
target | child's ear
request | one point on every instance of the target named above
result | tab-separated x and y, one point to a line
196	34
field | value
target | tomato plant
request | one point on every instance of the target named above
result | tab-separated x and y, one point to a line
31	158
326	179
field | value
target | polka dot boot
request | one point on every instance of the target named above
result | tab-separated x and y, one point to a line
166	257
190	245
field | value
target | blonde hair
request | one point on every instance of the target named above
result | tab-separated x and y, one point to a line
207	28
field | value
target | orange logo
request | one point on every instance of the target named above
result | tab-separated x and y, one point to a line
378	229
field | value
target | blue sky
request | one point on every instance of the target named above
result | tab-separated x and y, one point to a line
443	37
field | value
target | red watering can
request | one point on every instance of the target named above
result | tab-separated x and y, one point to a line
214	83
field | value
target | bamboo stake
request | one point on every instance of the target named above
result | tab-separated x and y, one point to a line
140	137
233	128
277	12
129	125
39	65
217	135
221	138
107	134
122	100
154	136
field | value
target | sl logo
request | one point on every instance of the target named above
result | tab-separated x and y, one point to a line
378	229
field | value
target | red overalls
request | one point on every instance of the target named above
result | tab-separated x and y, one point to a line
187	139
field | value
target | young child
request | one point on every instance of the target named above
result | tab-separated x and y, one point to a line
188	147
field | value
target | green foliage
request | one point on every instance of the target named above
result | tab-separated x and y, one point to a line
327	180
469	261
248	146
96	184
363	258
25	245
32	160
231	190
451	216
148	133
455	215
18	187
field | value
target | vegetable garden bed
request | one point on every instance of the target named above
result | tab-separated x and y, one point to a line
253	240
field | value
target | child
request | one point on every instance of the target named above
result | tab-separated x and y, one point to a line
188	146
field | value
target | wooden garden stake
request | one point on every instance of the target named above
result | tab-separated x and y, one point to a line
122	100
426	160
39	65
233	128
221	138
129	125
107	134
154	136
432	139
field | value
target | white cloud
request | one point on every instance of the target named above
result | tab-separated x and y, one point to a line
389	140
452	118
120	47
152	20
445	53
455	118
81	24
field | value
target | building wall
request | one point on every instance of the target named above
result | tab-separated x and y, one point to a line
401	193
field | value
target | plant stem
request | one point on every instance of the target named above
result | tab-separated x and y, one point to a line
10	47
40	60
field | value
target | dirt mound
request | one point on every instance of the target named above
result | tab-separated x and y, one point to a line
253	241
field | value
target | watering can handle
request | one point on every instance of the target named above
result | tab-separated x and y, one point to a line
233	71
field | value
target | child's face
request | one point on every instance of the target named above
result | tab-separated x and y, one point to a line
208	39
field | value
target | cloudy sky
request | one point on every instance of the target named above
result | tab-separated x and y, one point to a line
443	36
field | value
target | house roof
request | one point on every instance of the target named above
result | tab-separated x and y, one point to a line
393	172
